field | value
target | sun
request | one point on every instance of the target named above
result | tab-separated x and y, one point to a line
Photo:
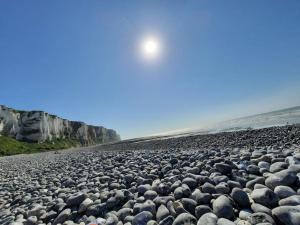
150	48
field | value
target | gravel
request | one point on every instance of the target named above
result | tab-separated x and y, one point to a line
242	178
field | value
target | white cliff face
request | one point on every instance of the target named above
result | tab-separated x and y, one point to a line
39	126
9	121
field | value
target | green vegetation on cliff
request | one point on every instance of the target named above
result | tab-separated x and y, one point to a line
11	146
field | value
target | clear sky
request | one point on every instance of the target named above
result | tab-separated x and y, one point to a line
81	60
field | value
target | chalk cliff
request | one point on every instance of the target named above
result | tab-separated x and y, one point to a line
39	126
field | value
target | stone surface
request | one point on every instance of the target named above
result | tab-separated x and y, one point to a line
287	215
62	217
162	213
208	219
142	218
264	196
223	221
185	218
259	217
201	210
292	200
284	191
148	183
240	197
222	207
285	178
223	168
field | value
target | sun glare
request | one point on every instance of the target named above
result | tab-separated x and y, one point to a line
150	48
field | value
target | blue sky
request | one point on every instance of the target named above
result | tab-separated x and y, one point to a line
79	60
